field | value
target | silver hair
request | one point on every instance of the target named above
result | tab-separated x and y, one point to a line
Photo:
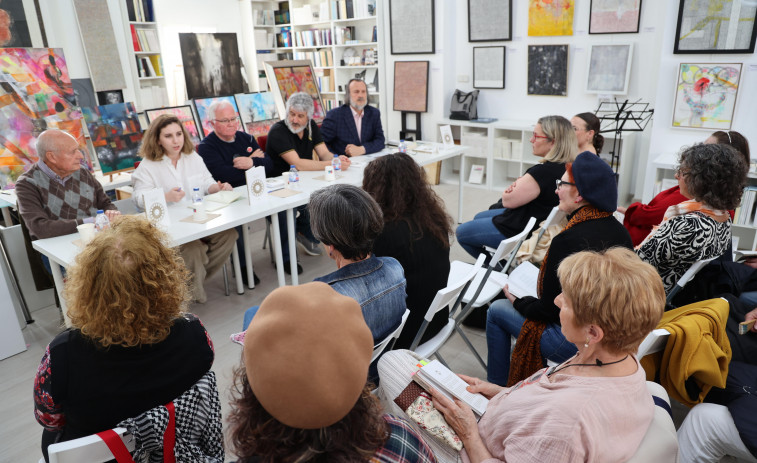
302	102
347	91
215	106
346	217
49	140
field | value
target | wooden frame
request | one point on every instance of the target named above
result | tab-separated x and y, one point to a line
489	67
715	31
411	86
600	75
603	18
486	22
411	27
288	77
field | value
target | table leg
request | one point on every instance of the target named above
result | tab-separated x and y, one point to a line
292	247
7	217
237	270
277	249
58	279
248	257
460	193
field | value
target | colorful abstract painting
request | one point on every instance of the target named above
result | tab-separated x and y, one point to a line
293	79
116	134
185	115
202	105
706	95
258	112
614	16
550	17
35	94
548	70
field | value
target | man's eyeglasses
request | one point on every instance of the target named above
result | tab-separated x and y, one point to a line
225	121
560	183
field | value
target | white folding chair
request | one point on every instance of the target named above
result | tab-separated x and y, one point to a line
392	337
91	449
452	294
654	342
553	218
660	443
690	273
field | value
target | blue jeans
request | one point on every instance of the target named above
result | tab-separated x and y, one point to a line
749	298
502	322
301	225
248	314
479	232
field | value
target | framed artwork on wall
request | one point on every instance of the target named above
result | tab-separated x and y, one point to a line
706	95
548	70
614	16
185	115
488	67
286	78
731	30
411	86
490	20
550	17
211	64
202	105
609	68
411	26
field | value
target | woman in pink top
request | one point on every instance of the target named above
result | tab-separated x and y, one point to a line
594	407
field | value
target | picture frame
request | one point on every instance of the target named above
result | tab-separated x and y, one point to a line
608	68
698	32
548	70
185	115
288	77
411	86
604	17
490	21
705	95
489	67
202	105
110	97
411	27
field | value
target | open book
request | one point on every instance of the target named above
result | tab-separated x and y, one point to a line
522	281
743	254
437	376
223	197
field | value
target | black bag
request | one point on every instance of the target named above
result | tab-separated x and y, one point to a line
464	106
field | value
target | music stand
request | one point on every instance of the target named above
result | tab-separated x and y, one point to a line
619	117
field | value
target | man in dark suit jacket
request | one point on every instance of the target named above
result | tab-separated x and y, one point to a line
354	128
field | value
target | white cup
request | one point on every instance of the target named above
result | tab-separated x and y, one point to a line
86	232
199	208
285	178
329	173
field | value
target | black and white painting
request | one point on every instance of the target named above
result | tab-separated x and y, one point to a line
548	70
211	64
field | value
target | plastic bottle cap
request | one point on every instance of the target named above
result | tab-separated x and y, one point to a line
100	211
196	189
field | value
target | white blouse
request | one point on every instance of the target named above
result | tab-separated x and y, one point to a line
190	172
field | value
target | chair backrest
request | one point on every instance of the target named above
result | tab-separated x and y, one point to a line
262	141
654	342
660	443
554	217
690	273
91	449
380	347
508	245
126	206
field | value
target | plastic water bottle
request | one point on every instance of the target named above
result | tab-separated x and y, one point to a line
336	163
101	221
196	196
403	147
294	178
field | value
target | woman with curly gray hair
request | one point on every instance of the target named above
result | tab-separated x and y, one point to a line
712	177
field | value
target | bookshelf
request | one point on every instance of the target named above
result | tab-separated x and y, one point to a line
147	73
340	37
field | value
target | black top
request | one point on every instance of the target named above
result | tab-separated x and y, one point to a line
426	263
219	157
281	140
591	235
512	221
99	387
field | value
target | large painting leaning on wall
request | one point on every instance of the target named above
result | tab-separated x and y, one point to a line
286	78
185	115
706	95
116	135
258	112
203	104
211	64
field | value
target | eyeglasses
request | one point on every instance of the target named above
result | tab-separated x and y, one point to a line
560	182
680	172
226	121
534	136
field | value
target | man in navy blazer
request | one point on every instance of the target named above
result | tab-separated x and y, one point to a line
354	128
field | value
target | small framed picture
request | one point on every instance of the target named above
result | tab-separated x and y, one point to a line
110	97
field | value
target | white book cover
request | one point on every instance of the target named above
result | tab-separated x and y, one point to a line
476	174
447	139
156	208
523	280
256	187
445	381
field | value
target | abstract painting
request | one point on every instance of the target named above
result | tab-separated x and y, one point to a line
614	16
211	64
14	32
258	112
489	20
202	105
85	93
609	69
291	77
411	86
706	95
488	67
411	26
548	70
715	26
185	115
99	41
550	17
35	94
116	135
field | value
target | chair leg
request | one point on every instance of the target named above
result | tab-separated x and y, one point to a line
470	346
225	280
439	356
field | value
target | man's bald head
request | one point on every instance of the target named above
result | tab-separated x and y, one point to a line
52	140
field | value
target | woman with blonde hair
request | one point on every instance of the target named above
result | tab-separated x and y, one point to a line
130	347
171	164
531	195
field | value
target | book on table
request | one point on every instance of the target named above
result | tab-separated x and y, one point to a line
437	376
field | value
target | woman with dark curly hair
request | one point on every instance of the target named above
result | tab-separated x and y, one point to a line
586	126
304	398
416	232
131	347
712	177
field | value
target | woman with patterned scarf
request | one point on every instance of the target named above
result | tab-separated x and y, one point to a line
589	195
712	177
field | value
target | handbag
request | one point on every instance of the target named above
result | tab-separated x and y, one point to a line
464	106
419	406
